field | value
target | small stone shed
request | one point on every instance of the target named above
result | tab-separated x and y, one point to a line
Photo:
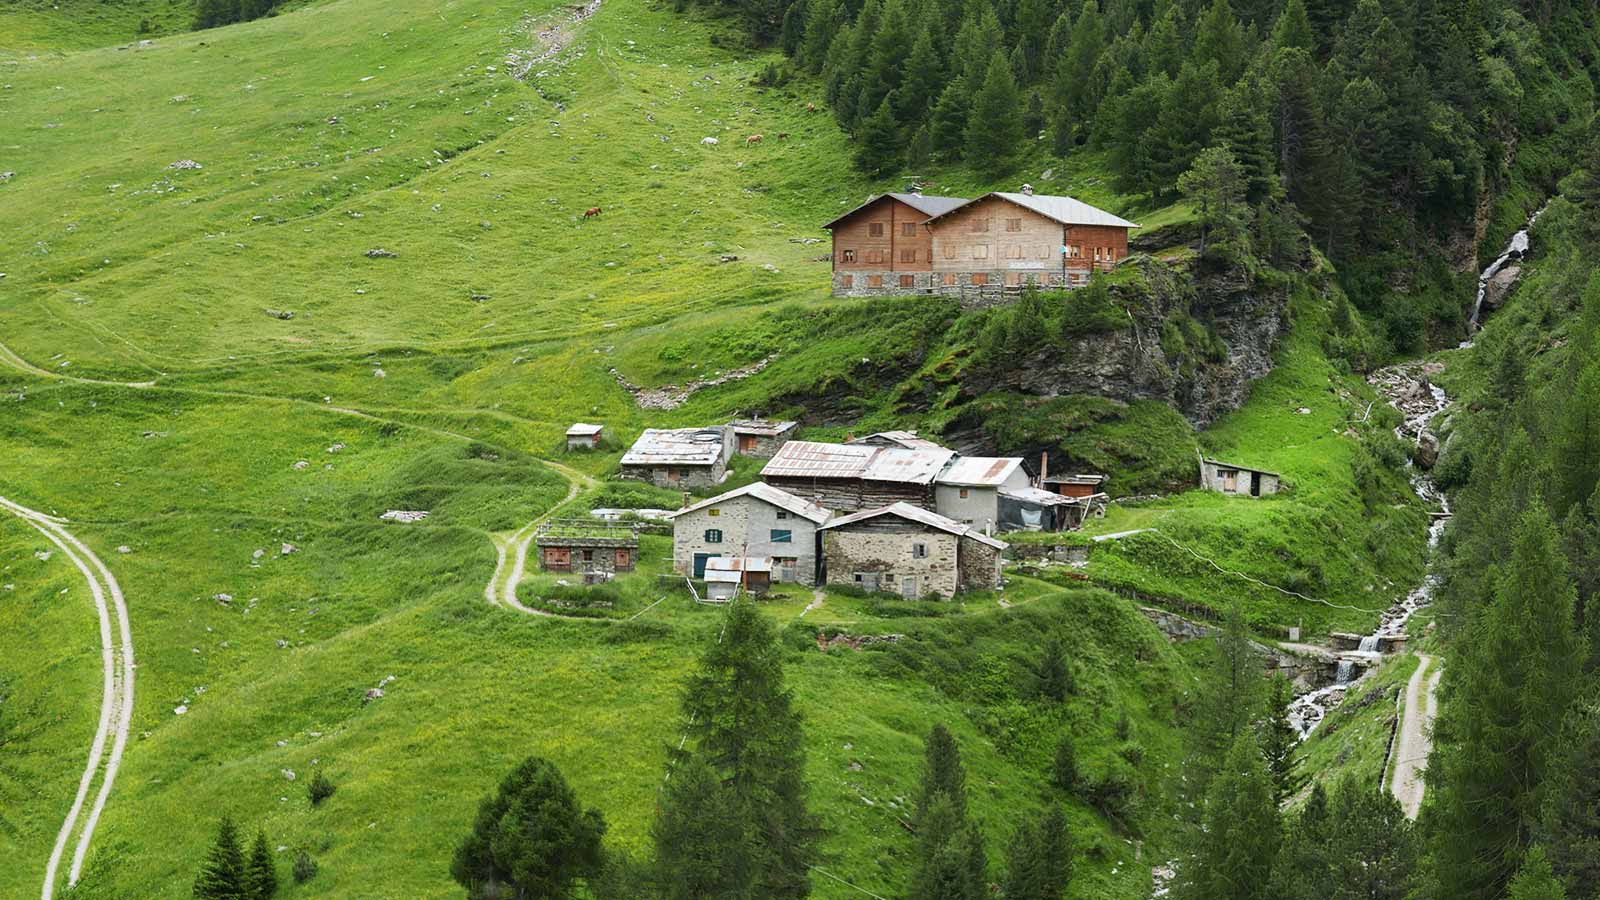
910	551
595	550
757	520
679	457
1237	480
761	438
583	436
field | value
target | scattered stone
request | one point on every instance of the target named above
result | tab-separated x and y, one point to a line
300	464
727	258
1303	411
371	695
284	314
43	555
7	176
287	549
404	515
283	644
258	553
224	599
179	710
185	164
335	447
380	253
379	373
283	743
288	774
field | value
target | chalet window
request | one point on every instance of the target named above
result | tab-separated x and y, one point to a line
847	281
908	255
875	281
950	278
964	493
980	225
908	281
713	535
1013	278
980	251
1014	252
909	229
949	251
781	536
1044	251
783	514
849	256
674	475
1013	224
919	551
980	277
1230	479
588	556
875	229
874	256
747	443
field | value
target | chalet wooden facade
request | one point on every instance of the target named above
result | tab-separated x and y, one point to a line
976	249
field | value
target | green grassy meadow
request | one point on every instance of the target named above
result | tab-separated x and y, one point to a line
160	399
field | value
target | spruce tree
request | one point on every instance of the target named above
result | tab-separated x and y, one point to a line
1055	679
950	858
1064	768
1576	450
924	76
261	876
1232	699
949	129
1215	186
822	24
1586	189
1235	849
531	838
1535	881
1070	95
1356	845
222	875
1039	864
942	773
1293	31
701	849
994	128
1569	823
742	725
1280	741
1510	686
878	141
1183	128
1220	40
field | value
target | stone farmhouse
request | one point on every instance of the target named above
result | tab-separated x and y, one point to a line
974	249
1237	480
679	457
911	551
755	521
761	438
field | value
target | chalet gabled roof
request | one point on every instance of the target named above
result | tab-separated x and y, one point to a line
980	471
922	517
584	429
928	206
814	459
1229	465
907	439
1065	210
768	494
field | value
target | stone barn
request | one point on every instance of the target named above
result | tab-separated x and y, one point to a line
679	457
761	438
910	551
595	550
1237	480
757	520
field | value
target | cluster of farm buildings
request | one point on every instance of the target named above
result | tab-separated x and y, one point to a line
890	512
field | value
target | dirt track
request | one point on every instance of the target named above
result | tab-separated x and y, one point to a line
1416	735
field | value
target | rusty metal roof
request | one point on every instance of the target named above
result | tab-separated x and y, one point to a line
980	471
908	466
676	447
921	516
813	459
739	564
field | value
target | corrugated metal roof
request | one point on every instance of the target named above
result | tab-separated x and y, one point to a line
739	563
907	466
980	471
922	516
766	492
1040	497
1065	210
1074	479
906	439
814	459
761	427
583	429
928	206
676	447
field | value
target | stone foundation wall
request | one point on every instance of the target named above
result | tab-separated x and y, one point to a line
891	558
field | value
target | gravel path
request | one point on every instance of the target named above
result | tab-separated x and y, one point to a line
1416	736
513	549
116	699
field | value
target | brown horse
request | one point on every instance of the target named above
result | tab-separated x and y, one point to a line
591	212
753	139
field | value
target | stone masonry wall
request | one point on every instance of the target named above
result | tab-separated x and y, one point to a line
979	565
890	555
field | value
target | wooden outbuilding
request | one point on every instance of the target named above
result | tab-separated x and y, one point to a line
726	574
1074	485
847	477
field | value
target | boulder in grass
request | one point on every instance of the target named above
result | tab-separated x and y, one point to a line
381	253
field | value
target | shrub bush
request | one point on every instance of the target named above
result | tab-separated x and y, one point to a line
320	788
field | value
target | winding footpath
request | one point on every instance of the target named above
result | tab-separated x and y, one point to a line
116	698
511	550
1416	736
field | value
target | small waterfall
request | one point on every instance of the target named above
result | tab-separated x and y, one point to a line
1369	644
1517	248
1345	668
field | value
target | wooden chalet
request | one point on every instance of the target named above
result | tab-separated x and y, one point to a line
857	476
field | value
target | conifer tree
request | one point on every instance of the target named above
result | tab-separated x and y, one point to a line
942	773
1232	698
1279	742
222	875
741	724
1356	845
1235	849
701	850
949	129
1071	92
1163	45
1586	191
261	876
1293	30
1064	768
1220	40
1577	441
1183	127
1569	823
531	837
1535	881
994	128
1215	185
924	76
1514	679
1039	864
1131	120
1055	679
822	24
1243	128
950	858
878	141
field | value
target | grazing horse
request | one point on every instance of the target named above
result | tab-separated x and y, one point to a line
591	212
753	139
783	135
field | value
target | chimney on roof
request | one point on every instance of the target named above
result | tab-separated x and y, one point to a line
685	500
1044	466
1027	189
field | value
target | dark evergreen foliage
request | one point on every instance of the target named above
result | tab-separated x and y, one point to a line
1039	864
531	838
1355	845
261	876
222	875
942	773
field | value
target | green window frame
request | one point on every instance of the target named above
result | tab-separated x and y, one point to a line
781	536
713	535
